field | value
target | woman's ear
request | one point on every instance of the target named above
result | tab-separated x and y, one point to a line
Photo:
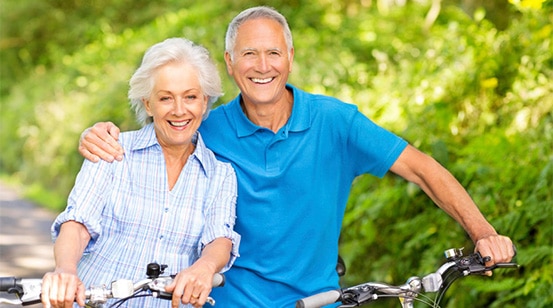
147	107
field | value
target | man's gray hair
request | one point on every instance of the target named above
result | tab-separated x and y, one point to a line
254	13
173	50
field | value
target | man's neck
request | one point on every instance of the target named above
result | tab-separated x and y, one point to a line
271	115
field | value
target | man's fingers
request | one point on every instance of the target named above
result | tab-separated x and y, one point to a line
87	155
94	153
100	142
503	251
101	145
498	248
113	130
111	139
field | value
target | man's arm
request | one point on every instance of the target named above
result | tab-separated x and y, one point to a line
440	185
100	142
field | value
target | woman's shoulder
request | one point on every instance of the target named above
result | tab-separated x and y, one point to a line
137	138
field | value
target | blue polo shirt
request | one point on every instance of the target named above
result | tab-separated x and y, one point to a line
293	186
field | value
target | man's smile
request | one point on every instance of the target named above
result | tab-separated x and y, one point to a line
262	80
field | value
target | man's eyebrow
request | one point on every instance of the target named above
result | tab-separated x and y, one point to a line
255	49
248	49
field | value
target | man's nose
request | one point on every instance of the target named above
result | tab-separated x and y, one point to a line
263	63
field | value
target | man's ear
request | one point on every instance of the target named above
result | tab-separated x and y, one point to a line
228	61
291	57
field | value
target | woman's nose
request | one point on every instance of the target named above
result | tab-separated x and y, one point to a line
179	107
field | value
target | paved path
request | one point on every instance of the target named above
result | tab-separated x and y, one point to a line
25	244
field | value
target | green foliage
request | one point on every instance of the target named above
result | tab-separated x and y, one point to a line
476	96
482	103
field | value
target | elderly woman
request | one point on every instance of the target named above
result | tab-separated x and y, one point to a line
168	201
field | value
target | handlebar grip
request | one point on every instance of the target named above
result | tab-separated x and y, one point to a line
218	280
504	265
7	283
319	300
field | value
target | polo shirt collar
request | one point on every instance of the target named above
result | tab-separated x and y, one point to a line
299	120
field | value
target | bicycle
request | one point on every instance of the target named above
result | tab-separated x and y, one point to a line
413	290
28	290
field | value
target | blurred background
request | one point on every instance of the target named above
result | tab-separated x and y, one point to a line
467	81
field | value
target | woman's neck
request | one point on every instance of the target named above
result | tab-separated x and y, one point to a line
175	161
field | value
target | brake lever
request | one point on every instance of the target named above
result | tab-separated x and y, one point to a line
502	265
480	268
31	291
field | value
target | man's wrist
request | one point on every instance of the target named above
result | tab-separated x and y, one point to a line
485	236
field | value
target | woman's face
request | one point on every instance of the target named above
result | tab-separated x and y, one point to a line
177	104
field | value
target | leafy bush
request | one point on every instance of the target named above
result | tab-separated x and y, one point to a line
481	102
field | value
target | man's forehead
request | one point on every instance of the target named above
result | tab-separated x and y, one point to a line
259	25
258	34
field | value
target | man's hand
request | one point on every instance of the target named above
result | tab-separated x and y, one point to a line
100	142
498	247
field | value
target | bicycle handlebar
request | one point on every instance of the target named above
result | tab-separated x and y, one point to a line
28	290
320	299
456	266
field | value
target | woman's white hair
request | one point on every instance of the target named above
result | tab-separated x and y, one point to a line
173	50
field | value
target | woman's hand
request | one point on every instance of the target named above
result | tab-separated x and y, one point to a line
192	285
60	289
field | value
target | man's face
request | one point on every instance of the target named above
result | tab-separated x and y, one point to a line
261	62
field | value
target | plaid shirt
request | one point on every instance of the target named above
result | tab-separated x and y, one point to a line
134	219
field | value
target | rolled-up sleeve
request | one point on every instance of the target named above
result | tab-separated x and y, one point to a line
86	201
221	212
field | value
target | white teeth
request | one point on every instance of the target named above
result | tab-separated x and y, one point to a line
265	80
179	124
